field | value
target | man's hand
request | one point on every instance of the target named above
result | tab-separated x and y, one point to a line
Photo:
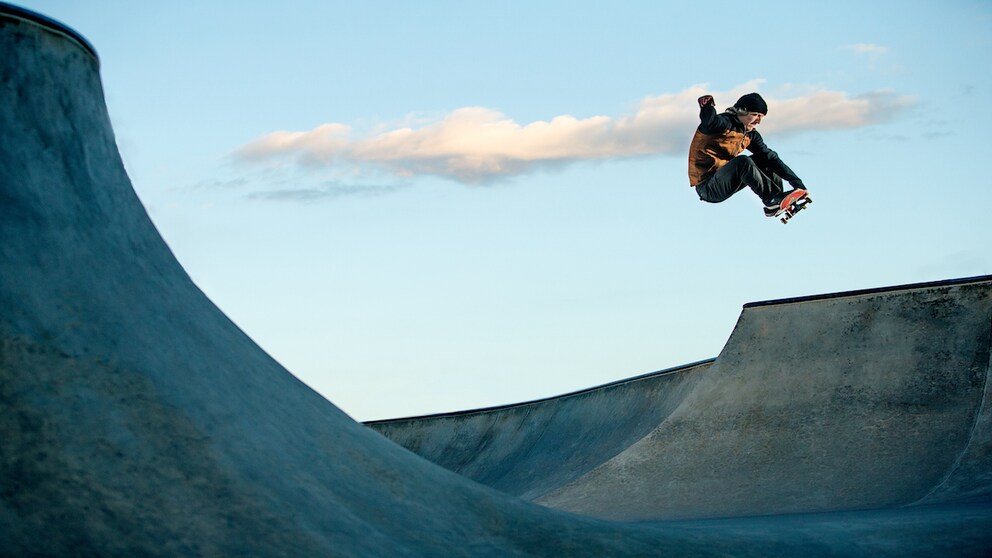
706	100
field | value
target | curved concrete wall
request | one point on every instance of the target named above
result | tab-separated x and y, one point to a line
532	448
862	400
137	420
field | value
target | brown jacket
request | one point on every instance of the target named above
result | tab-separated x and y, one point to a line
709	152
721	137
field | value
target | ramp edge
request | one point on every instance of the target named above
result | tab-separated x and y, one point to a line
673	370
11	11
878	290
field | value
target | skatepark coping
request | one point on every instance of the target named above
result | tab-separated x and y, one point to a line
684	367
11	11
664	372
879	290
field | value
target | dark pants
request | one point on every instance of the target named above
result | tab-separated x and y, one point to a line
739	172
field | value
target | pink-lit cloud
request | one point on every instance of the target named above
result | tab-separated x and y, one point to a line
477	144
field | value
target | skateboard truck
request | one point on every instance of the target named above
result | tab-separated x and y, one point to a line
795	203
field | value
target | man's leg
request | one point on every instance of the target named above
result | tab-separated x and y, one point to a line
771	183
723	184
734	176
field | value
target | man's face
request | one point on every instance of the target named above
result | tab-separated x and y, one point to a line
750	119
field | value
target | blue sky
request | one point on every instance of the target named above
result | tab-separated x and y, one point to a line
435	206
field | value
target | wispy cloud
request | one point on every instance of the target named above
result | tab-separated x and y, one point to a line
868	49
323	192
833	110
214	184
478	144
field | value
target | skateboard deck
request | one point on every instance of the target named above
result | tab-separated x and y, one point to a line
792	204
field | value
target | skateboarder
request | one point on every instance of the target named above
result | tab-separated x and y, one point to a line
717	170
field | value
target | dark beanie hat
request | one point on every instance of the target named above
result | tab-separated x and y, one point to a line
752	102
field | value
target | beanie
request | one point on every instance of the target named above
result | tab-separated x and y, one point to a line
752	102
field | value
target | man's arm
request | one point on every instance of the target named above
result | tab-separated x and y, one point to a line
709	121
768	159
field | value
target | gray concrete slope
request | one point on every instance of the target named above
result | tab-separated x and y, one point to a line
136	419
873	399
854	402
532	448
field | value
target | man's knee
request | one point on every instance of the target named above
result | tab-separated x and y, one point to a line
746	169
701	191
746	163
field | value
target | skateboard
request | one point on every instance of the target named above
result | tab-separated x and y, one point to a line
792	204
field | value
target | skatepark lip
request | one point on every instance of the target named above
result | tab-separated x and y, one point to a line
25	15
684	367
665	372
879	290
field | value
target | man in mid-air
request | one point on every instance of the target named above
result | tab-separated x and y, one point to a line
717	170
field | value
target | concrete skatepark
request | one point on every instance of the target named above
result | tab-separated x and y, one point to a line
136	419
850	401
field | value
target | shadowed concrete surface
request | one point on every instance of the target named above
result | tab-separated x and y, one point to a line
532	448
136	419
852	401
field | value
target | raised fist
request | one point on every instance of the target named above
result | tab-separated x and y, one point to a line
706	100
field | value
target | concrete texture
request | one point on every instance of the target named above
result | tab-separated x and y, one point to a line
530	449
852	401
137	420
856	402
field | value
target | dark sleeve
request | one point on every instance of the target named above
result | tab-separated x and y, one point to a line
710	122
768	159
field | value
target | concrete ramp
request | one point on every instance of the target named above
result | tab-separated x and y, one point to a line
137	420
862	400
532	448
